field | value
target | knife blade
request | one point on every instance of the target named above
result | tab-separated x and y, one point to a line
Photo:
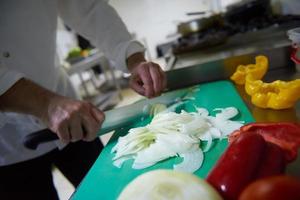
114	119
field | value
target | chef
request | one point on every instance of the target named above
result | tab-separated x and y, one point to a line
35	93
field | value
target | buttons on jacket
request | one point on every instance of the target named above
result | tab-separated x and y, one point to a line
6	54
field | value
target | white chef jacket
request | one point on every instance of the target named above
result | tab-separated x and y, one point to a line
27	49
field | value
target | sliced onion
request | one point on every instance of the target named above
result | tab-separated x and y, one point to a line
208	145
203	112
215	133
170	134
178	143
226	113
119	162
192	161
226	126
151	155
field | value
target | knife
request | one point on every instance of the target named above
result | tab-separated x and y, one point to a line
121	117
114	119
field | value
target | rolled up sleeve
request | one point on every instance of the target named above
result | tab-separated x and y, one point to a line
97	21
7	79
2	119
134	47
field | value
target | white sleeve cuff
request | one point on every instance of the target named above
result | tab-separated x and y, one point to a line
125	50
134	47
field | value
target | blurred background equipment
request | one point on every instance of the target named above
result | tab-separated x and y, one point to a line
94	76
211	34
243	17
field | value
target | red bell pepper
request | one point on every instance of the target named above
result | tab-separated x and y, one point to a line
273	162
285	134
238	165
248	158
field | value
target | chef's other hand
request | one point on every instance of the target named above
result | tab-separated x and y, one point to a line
73	120
147	78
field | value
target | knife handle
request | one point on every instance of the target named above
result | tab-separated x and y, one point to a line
33	140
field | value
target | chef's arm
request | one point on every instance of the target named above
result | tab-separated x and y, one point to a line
72	120
25	97
97	21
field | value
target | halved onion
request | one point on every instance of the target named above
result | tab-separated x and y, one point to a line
168	185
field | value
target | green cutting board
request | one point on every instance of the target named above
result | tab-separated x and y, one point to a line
105	181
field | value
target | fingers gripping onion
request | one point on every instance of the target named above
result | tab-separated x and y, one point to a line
168	185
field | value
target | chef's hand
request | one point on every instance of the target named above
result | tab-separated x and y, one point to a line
147	78
73	120
70	119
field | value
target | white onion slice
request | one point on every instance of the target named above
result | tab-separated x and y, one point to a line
192	161
226	113
151	155
203	112
208	145
215	133
119	162
226	126
178	143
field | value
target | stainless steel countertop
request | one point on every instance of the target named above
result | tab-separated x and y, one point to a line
262	40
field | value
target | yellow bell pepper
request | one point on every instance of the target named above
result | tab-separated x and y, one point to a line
275	95
257	70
